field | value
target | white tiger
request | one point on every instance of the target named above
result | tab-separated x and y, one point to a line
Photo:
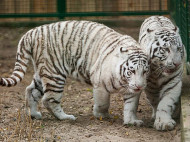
162	42
88	52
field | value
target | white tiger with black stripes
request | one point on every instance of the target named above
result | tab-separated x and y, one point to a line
87	51
162	42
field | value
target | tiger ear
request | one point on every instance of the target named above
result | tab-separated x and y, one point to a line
149	31
123	49
176	29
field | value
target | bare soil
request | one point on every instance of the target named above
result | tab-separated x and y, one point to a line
77	100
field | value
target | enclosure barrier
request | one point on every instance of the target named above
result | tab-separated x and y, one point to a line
75	8
180	11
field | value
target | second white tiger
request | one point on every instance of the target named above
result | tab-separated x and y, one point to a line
88	52
161	40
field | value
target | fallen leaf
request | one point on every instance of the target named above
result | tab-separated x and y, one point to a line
127	133
90	90
110	112
116	117
100	118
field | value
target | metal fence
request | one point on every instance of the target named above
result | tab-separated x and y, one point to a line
72	8
180	11
28	9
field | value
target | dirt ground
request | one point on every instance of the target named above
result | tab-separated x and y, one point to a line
77	100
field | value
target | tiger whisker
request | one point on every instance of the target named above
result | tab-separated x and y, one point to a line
124	89
159	70
126	85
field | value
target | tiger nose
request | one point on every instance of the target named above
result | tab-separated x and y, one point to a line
170	64
176	64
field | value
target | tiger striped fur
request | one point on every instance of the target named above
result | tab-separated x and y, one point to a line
162	42
87	51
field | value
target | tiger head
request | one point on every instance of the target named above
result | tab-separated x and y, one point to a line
166	51
134	69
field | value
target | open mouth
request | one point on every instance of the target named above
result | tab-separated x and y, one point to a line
170	70
137	90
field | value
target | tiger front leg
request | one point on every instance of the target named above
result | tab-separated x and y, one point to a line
166	107
153	100
101	102
131	102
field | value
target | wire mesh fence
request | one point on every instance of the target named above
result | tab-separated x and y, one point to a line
27	6
69	8
27	10
180	12
115	5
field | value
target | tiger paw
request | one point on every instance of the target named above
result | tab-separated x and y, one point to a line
71	117
164	124
101	115
137	123
36	115
66	116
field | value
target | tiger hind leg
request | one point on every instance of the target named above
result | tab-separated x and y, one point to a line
52	100
33	95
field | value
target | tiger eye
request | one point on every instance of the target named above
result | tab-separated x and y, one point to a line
168	50
133	71
179	49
